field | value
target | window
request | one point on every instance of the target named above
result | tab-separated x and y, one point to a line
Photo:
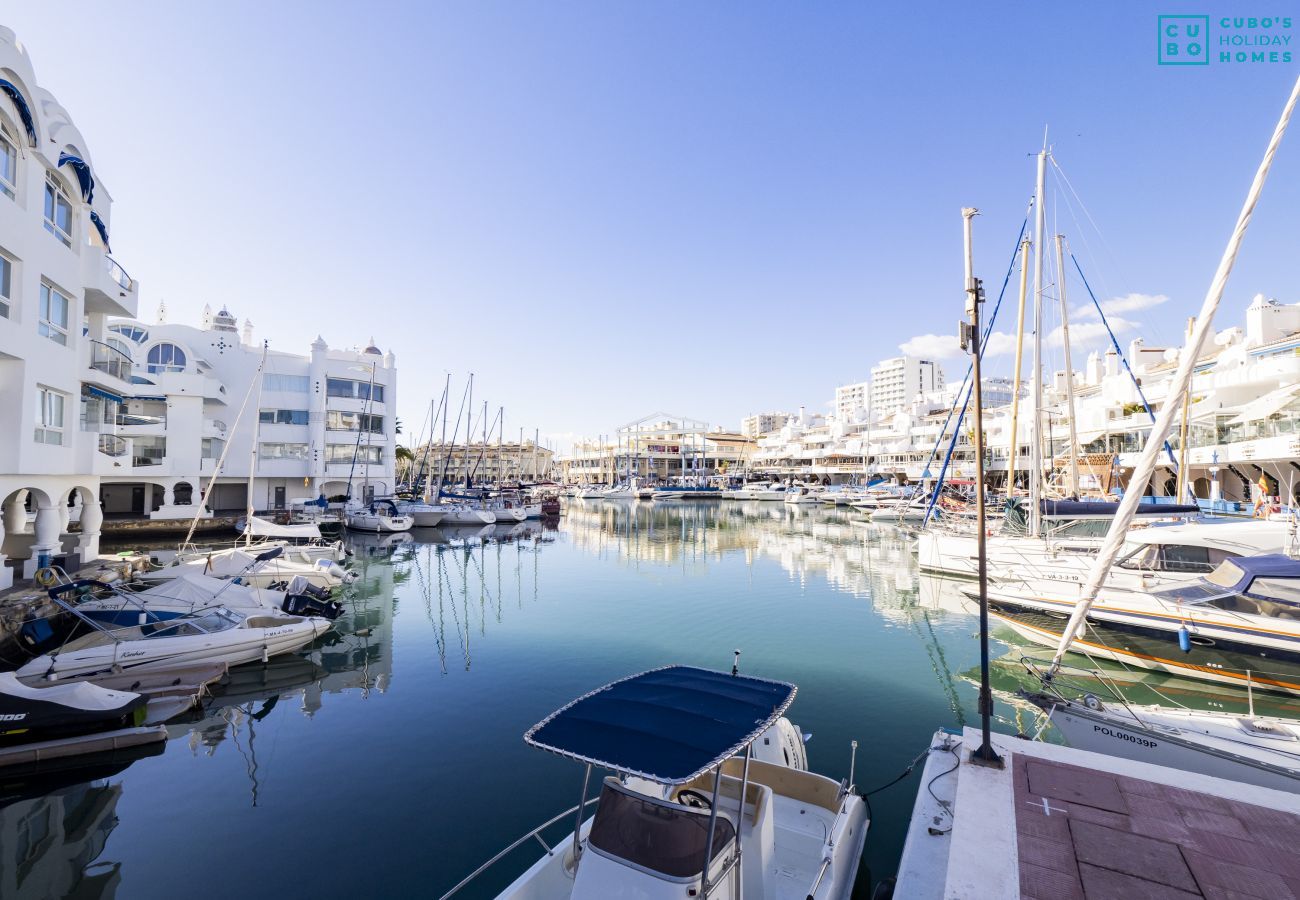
293	384
356	390
131	332
166	358
283	451
6	286
58	212
54	315
338	420
342	454
8	166
283	417
211	448
49	416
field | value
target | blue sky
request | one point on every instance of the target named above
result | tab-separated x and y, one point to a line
608	208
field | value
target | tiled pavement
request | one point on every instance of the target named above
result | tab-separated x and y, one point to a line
1082	833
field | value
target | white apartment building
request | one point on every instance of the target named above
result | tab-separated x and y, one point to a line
656	448
853	402
58	289
762	423
896	382
319	420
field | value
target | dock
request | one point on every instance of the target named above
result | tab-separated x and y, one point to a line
1066	824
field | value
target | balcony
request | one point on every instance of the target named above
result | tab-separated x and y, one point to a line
114	367
109	289
113	446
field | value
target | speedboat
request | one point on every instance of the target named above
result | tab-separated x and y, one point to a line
379	516
190	593
803	494
693	811
263	569
1238	625
217	635
29	714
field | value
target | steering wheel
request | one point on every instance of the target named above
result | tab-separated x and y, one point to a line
694	799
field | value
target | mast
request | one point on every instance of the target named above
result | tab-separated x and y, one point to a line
1035	429
252	454
1182	380
1069	366
1013	453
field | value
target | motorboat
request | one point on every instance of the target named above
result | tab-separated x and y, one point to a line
29	714
1239	624
265	569
301	541
379	516
619	492
692	810
218	634
1262	750
803	494
770	492
591	492
190	593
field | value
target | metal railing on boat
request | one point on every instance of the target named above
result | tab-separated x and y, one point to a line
535	833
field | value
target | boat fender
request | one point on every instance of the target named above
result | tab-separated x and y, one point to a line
1184	639
266	657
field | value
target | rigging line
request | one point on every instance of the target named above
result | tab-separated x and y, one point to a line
1091	221
1169	450
988	331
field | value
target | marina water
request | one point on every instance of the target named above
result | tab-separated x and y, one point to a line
388	761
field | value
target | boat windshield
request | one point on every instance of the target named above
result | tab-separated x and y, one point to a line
210	621
656	835
1192	593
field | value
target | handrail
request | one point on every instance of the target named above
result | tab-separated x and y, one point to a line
118	274
110	360
534	833
113	445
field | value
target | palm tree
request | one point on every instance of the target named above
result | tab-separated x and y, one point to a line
404	455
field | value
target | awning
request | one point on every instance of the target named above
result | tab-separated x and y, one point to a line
84	178
101	228
1267	405
669	725
24	111
91	390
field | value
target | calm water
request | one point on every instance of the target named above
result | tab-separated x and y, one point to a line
388	760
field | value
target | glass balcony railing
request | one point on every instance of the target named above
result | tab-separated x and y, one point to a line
111	361
118	274
112	445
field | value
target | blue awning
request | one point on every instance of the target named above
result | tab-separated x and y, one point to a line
103	231
97	392
84	178
669	725
24	111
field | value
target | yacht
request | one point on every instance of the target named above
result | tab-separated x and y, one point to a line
692	810
803	494
423	515
1240	624
379	516
454	514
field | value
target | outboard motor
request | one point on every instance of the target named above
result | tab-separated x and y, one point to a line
306	605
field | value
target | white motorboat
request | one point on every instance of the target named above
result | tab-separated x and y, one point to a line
190	593
769	492
693	811
1240	624
1262	750
301	541
803	494
379	516
219	635
264	569
591	492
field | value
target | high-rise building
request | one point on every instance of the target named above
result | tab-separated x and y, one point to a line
853	402
896	382
762	423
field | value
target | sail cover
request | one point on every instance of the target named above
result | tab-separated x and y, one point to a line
669	725
266	528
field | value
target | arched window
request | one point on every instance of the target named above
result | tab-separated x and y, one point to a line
120	346
166	358
131	332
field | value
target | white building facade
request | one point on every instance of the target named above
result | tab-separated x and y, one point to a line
853	402
762	423
896	382
58	289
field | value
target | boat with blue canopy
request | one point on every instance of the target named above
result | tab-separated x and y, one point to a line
709	797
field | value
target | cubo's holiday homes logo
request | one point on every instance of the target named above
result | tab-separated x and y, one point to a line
1225	40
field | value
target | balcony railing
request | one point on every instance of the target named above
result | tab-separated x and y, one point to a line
110	360
128	419
112	445
118	274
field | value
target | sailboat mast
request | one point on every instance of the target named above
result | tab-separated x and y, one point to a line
1182	380
1013	449
1035	430
1069	366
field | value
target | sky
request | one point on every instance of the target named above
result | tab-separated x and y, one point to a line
606	208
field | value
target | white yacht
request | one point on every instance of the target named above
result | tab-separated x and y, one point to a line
379	516
693	811
464	514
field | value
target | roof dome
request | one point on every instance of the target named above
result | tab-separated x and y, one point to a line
372	348
224	321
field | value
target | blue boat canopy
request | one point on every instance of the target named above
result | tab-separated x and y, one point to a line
668	725
1238	573
24	111
84	178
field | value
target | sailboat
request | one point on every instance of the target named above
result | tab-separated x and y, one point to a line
380	515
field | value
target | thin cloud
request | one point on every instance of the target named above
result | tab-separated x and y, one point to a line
946	346
1118	305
